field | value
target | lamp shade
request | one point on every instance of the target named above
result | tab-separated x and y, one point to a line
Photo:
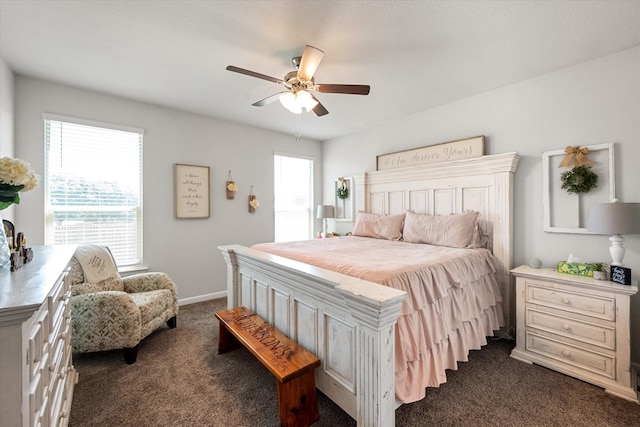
325	211
614	218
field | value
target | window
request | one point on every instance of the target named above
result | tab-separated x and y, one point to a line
293	204
93	186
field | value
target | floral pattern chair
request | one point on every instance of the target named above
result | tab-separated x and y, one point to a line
118	313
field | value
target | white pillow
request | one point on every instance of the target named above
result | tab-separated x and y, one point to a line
97	263
455	230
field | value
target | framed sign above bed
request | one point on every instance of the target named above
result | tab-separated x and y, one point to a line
445	152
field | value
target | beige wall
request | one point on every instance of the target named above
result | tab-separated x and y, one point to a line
185	248
591	103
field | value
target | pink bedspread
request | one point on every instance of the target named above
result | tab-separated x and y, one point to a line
454	301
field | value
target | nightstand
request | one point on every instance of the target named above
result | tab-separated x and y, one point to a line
575	325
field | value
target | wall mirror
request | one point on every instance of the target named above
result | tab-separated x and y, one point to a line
567	212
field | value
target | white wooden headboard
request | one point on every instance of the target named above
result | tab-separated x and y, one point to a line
484	184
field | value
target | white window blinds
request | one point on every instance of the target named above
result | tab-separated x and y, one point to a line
93	187
293	204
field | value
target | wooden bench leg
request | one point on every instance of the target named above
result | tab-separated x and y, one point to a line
226	340
297	401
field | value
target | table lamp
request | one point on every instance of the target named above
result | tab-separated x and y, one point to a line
324	212
615	218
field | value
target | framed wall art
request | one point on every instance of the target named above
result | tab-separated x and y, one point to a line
565	210
438	153
191	191
344	199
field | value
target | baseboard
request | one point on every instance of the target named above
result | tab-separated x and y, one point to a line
201	298
635	377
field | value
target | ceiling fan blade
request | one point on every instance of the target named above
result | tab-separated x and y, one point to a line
348	89
319	108
268	99
309	62
254	74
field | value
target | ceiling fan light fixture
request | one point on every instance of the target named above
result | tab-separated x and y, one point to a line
297	102
288	101
305	100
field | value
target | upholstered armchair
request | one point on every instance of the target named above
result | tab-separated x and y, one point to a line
109	312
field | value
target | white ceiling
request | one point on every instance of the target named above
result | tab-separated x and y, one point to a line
414	54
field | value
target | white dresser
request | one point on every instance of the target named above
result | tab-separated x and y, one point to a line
36	371
575	325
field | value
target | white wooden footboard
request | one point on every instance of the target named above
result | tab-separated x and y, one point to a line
347	322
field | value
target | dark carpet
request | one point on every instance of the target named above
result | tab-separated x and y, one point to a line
180	380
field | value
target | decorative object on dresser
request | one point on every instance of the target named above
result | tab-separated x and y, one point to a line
575	325
599	270
19	253
16	176
615	218
324	212
36	368
109	312
621	275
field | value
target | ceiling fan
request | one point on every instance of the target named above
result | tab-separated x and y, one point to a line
300	84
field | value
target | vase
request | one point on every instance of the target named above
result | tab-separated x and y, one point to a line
5	253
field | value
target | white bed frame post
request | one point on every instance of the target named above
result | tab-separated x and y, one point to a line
376	402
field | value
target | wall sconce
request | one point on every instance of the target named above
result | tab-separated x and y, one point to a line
253	202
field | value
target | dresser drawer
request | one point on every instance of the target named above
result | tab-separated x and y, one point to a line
588	305
38	342
57	300
579	358
590	333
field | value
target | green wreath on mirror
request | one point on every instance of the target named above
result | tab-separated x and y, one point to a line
342	191
580	179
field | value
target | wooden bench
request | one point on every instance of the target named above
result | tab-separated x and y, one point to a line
290	363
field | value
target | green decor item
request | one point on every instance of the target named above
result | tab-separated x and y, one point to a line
580	179
575	268
342	191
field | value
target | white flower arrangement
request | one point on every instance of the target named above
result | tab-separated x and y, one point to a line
231	186
15	176
254	203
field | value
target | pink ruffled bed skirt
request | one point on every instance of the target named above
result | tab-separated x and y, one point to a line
454	300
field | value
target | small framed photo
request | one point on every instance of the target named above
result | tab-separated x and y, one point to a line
191	191
621	275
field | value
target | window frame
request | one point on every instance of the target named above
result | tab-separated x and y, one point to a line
311	182
49	209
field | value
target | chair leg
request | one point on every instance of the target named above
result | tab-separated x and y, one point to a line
173	322
130	354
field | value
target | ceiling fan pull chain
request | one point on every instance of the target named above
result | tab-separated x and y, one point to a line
297	134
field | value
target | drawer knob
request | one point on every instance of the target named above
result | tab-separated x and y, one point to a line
565	327
565	300
566	353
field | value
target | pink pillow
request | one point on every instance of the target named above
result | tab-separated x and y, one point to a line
387	227
455	230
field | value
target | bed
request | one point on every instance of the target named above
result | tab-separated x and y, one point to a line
356	322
